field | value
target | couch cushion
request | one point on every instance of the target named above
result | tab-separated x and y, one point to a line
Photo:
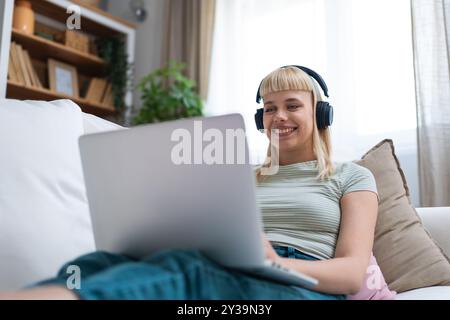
93	124
430	293
43	206
437	222
407	255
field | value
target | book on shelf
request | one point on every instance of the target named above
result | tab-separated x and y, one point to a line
34	77
108	97
21	67
12	74
29	68
16	63
96	89
100	91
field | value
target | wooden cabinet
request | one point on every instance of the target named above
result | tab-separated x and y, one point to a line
94	23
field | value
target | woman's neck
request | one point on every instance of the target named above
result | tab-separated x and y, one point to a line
296	156
292	160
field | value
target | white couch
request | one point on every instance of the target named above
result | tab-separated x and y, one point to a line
437	221
43	207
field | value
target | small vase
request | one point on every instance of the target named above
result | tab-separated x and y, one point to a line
23	18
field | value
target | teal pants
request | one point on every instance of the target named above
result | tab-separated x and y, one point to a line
175	274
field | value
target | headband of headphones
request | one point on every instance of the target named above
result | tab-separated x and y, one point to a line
308	71
324	111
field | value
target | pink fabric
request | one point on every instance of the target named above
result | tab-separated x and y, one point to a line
374	286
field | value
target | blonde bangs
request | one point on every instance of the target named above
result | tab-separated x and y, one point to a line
282	79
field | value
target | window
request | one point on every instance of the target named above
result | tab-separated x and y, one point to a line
362	48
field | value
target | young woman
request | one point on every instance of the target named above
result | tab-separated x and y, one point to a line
319	218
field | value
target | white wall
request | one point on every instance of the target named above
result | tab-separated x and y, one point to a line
149	37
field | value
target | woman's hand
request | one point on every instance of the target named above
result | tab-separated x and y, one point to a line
269	251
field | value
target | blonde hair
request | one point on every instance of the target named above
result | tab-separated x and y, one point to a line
293	78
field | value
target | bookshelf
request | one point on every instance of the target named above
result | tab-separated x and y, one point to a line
95	23
43	48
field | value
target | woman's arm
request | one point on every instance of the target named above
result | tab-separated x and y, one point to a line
344	273
41	293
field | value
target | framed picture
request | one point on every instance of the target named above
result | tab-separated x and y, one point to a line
63	78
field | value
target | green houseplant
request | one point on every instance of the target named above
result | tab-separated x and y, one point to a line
168	95
112	50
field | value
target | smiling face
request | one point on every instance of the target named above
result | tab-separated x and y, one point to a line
291	112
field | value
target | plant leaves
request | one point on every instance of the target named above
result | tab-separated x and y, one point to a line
167	94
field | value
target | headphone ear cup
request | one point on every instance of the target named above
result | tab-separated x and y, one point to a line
324	114
259	119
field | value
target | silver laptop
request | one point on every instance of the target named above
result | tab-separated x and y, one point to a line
180	184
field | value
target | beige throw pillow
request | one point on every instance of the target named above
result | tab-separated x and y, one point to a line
407	255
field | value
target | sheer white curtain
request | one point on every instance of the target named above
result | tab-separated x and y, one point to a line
431	24
362	48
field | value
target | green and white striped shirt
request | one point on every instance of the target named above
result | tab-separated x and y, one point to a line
301	211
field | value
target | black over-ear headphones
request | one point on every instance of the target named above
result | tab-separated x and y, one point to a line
324	111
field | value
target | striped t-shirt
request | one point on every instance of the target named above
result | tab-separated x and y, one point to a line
301	211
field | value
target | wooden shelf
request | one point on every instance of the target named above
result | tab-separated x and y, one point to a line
41	48
58	13
19	91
